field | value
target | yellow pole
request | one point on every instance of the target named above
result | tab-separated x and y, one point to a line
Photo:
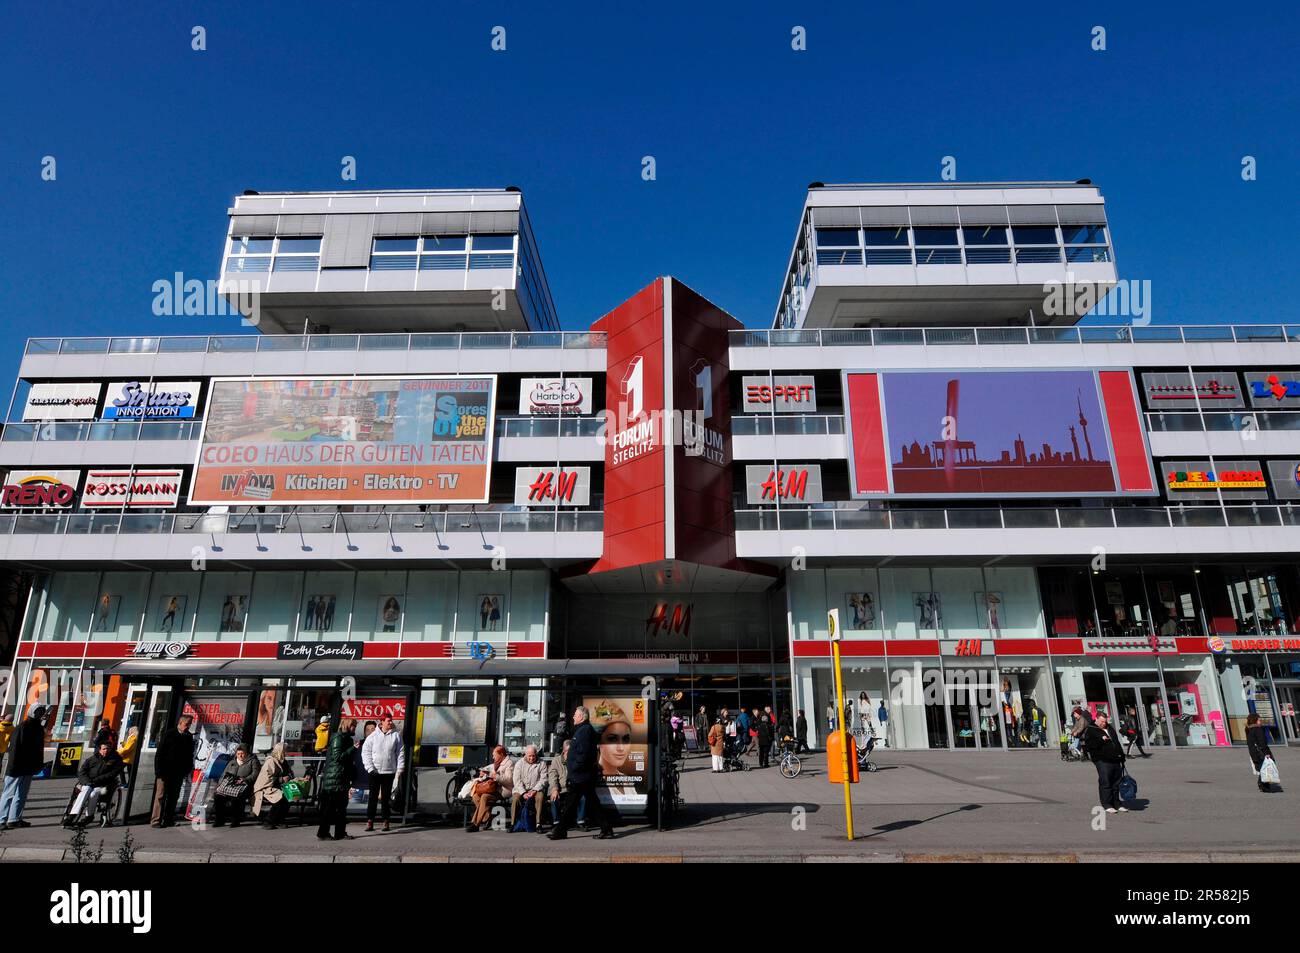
844	739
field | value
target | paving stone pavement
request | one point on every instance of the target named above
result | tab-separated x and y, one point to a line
921	806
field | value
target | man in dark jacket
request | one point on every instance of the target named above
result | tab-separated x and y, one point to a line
99	775
763	725
1103	747
26	758
173	763
801	733
337	775
584	751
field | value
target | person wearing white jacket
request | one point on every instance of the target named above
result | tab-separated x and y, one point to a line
384	758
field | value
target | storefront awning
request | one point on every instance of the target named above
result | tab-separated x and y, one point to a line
396	668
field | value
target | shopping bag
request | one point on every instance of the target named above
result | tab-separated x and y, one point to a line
1268	773
1128	788
292	790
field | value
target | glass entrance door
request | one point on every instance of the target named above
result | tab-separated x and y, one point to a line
1288	697
1148	704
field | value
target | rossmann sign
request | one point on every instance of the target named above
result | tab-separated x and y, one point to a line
132	489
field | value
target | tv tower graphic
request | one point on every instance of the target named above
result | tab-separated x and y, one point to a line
1083	422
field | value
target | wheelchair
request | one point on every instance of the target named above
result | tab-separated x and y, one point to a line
101	810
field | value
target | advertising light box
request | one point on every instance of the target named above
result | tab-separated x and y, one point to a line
340	440
1004	433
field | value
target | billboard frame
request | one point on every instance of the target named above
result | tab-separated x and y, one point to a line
212	388
1095	372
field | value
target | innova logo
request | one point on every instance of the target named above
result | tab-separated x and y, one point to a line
249	483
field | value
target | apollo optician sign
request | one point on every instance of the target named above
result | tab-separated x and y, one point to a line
160	400
339	440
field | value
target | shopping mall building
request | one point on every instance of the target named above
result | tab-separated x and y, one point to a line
408	490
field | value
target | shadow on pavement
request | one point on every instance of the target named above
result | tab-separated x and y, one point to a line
894	826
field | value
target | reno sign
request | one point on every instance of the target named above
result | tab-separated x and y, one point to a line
40	489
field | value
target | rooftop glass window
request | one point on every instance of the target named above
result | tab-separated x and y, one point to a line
985	234
299	246
1084	234
886	237
494	243
837	238
936	236
445	242
394	244
250	245
1034	234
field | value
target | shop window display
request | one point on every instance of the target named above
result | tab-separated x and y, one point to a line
1197	718
1025	689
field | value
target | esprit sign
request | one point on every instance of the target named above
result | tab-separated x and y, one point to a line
549	486
62	402
780	394
554	396
40	489
141	488
160	400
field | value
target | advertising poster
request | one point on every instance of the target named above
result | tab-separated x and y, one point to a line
336	441
218	728
1010	433
862	610
623	724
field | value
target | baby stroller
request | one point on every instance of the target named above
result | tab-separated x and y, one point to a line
94	805
1069	752
731	759
865	747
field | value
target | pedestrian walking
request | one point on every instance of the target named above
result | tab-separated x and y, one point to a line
384	758
584	752
26	758
801	733
1102	745
763	736
172	765
337	775
717	746
1131	730
1257	746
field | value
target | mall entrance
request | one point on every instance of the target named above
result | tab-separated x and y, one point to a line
1148	703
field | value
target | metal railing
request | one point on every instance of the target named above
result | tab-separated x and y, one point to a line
242	343
1074	334
1089	517
191	429
763	425
114	523
1243	420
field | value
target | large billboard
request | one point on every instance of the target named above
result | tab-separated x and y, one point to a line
1006	433
341	440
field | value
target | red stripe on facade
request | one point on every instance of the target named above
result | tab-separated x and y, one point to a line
1131	462
870	466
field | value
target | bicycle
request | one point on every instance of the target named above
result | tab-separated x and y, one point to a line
790	765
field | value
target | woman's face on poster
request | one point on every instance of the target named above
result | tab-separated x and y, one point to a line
615	746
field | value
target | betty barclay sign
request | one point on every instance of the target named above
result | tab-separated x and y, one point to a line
160	400
553	396
342	440
40	489
317	651
138	489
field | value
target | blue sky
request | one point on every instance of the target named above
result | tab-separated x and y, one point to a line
152	139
